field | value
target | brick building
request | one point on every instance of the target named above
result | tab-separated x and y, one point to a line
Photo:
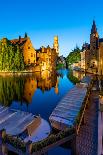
29	52
37	59
46	58
92	54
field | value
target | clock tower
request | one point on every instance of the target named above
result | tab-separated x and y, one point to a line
94	46
94	40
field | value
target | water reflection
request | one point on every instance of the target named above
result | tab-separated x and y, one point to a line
22	88
11	88
37	93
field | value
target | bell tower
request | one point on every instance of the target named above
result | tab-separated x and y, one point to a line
94	40
56	45
94	46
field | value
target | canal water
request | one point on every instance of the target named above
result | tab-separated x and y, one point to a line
37	93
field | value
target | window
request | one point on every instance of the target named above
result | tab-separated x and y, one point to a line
29	47
28	61
31	54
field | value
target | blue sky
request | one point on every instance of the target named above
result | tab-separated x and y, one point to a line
43	19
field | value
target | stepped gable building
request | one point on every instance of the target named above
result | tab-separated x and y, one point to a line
43	59
92	54
29	52
46	58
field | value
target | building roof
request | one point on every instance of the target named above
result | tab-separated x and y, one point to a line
40	49
86	46
19	41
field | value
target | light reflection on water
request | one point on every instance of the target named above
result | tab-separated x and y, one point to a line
37	93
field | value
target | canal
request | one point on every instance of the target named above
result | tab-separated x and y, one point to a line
37	93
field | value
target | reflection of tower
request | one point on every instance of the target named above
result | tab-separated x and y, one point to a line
56	44
56	87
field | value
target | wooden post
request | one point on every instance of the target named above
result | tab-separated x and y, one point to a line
3	134
28	147
3	148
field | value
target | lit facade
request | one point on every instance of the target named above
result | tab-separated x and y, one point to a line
29	53
42	59
56	45
92	54
46	59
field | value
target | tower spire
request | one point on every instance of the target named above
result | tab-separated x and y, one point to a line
94	28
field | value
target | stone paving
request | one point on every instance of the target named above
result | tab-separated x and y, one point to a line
87	140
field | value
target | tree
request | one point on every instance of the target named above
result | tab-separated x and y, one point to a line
74	56
11	56
18	60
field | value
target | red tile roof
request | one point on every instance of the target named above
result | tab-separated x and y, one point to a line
19	41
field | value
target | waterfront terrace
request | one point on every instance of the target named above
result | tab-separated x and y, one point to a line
66	112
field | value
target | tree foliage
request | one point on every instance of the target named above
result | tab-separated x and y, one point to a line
72	78
11	56
73	56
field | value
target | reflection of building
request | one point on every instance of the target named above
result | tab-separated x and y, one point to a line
22	88
92	54
30	87
47	80
44	81
56	87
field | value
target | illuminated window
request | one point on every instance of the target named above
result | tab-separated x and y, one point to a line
29	61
